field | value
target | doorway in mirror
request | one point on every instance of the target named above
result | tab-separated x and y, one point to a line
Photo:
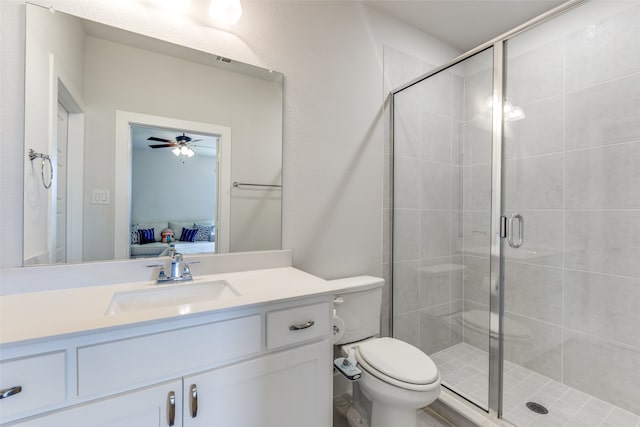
173	191
172	186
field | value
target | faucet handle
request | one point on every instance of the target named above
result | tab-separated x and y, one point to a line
186	271
161	273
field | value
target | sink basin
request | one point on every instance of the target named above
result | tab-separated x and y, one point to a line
179	295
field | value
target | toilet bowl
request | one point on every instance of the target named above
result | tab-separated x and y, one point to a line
397	377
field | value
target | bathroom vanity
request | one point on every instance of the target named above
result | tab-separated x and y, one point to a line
257	353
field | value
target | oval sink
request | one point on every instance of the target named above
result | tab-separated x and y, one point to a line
179	295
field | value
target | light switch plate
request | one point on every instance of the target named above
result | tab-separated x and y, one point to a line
101	197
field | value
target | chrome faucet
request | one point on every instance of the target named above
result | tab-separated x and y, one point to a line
176	263
180	270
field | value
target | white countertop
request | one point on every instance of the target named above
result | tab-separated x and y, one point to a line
49	314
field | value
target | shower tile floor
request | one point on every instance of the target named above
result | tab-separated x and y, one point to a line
464	368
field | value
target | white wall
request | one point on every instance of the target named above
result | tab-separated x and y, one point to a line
56	51
331	56
165	189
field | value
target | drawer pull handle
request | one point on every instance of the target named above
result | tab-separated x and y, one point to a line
302	326
172	408
8	392
194	400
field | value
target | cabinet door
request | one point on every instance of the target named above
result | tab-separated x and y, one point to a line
149	407
287	389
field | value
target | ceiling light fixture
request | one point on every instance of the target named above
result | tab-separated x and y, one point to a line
183	151
225	11
511	112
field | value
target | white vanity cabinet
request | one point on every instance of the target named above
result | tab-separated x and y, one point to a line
266	366
159	405
286	389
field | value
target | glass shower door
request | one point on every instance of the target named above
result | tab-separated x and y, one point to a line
571	187
442	157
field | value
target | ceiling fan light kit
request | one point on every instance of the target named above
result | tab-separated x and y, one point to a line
180	146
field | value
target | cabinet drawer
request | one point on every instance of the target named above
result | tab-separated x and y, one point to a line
136	361
43	382
294	325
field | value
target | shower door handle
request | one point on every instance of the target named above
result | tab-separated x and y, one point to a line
512	219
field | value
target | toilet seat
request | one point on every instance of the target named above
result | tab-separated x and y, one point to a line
398	363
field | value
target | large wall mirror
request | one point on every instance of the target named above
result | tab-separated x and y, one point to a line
126	133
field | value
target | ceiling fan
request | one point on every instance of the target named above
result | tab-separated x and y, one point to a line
182	144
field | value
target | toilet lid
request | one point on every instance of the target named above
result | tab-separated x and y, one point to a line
399	360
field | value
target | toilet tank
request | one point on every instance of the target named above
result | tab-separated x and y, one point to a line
359	307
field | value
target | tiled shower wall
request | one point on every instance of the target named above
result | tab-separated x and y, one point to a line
572	169
399	68
426	204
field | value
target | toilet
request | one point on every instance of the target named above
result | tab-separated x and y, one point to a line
397	377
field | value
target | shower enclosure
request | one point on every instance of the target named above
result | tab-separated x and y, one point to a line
516	219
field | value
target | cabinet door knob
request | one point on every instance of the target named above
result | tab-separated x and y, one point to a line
193	393
8	392
301	326
171	401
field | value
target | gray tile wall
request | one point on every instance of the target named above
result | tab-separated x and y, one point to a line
426	273
572	169
573	172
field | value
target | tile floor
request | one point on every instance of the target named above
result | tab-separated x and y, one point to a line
426	418
464	369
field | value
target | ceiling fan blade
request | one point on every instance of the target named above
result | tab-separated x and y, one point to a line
153	138
171	144
194	140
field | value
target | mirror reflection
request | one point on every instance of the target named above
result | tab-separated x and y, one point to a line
95	95
191	158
